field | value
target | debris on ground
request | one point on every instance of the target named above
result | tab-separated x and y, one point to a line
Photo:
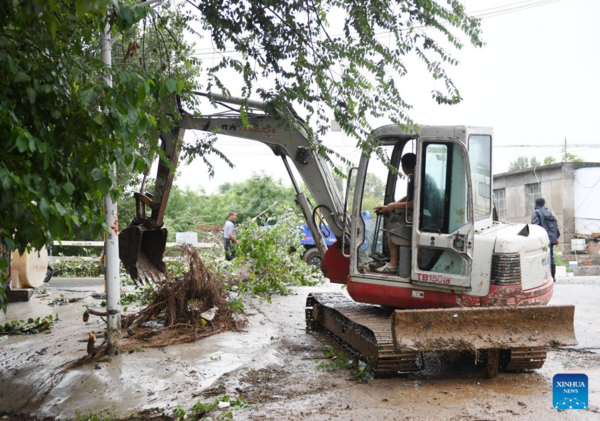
62	300
183	308
20	327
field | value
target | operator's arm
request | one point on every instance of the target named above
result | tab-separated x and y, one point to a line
402	204
232	238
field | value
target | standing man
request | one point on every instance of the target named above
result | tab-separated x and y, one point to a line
544	218
229	235
408	163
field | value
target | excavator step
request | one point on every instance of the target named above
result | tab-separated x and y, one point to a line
364	328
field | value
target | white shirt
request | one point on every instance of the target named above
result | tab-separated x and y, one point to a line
229	228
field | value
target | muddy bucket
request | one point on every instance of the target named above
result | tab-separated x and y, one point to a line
469	329
141	250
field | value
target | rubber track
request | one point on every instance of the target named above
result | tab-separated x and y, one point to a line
365	328
526	359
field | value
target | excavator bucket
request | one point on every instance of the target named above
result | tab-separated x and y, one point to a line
141	250
483	328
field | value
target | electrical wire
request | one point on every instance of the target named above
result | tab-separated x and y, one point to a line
480	14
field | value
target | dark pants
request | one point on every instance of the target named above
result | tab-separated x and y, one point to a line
229	251
552	254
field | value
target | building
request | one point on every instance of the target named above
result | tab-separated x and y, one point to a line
571	190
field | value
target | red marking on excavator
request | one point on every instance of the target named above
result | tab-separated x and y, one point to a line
335	265
402	297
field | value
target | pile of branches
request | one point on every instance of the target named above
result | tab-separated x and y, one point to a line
189	307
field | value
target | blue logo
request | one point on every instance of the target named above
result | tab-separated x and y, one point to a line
570	391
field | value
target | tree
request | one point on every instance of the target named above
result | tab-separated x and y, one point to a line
248	198
354	72
549	160
62	127
569	157
522	163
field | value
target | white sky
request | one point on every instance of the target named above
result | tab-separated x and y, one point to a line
536	82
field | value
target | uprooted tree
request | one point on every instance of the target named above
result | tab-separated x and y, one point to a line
62	127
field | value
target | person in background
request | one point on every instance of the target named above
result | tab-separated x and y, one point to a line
544	218
229	235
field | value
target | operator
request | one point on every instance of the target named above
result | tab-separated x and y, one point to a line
544	218
408	163
229	236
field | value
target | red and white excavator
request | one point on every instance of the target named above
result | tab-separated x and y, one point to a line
466	282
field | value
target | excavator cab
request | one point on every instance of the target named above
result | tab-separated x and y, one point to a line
454	291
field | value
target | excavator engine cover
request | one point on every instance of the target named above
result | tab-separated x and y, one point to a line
141	250
469	329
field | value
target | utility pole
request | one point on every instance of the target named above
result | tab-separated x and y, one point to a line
111	245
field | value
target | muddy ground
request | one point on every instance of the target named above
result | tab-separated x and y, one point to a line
272	364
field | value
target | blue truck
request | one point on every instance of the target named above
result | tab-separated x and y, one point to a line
311	255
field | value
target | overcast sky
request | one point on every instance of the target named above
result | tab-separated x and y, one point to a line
536	82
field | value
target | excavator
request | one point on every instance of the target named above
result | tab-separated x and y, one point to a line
466	283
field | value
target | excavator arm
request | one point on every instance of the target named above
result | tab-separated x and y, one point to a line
142	244
292	144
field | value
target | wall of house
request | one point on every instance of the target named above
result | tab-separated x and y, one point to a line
556	186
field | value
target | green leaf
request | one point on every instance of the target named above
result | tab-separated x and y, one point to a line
57	226
140	165
22	77
45	208
87	96
97	174
31	94
95	63
141	92
171	85
104	185
22	143
100	118
142	124
126	14
69	188
82	7
60	208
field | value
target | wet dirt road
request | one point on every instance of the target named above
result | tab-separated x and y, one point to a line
273	366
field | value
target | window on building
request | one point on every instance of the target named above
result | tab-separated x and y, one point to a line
532	192
500	200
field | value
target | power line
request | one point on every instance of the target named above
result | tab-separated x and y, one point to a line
480	14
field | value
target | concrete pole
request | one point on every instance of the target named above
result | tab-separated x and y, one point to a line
111	251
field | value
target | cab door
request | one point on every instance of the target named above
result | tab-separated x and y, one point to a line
443	227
